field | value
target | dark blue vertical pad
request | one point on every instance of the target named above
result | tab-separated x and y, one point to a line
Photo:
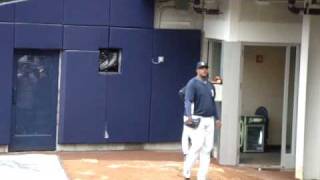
83	99
128	104
6	66
132	13
7	13
181	51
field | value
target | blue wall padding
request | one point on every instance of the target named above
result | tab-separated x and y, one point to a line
6	67
7	13
181	50
83	99
141	104
132	13
85	37
86	12
128	94
38	36
39	11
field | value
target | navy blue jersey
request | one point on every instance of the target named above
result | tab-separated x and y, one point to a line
202	94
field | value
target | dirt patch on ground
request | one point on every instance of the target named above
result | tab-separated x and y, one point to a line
150	165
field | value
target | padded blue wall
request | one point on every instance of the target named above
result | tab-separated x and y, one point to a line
128	95
38	36
40	11
6	59
181	50
136	106
132	13
85	37
86	12
83	99
7	13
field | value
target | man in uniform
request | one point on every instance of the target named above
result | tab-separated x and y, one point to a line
201	93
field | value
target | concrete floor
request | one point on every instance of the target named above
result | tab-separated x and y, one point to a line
150	165
31	166
265	159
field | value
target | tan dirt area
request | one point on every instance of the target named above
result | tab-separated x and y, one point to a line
151	165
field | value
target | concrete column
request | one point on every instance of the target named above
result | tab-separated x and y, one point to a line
311	169
308	127
302	96
230	116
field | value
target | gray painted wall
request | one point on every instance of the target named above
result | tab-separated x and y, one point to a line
229	138
308	125
312	120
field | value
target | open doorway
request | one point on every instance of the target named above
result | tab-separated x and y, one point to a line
267	124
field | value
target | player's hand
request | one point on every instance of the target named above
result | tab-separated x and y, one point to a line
217	80
189	121
218	124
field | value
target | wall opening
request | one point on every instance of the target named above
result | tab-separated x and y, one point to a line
262	105
110	61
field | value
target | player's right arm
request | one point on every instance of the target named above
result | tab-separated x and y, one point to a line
188	100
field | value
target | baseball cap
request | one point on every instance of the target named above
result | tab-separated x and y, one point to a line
202	64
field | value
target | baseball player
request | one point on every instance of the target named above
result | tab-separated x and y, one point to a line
200	92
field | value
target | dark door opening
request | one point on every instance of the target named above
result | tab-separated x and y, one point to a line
34	100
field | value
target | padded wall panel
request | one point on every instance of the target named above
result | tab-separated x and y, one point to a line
128	93
85	37
38	36
132	13
40	11
181	51
7	13
86	12
83	99
6	67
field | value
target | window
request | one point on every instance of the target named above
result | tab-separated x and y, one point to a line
110	61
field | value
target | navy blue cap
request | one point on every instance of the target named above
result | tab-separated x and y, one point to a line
202	64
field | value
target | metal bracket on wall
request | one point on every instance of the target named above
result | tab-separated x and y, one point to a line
160	60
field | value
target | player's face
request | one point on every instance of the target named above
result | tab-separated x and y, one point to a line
203	72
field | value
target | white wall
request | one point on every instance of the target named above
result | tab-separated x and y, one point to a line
269	32
216	26
311	169
247	21
263	85
268	23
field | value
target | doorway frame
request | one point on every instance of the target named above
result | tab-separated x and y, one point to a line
210	59
288	159
57	118
285	162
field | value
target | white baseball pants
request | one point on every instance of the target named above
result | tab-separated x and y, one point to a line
202	144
